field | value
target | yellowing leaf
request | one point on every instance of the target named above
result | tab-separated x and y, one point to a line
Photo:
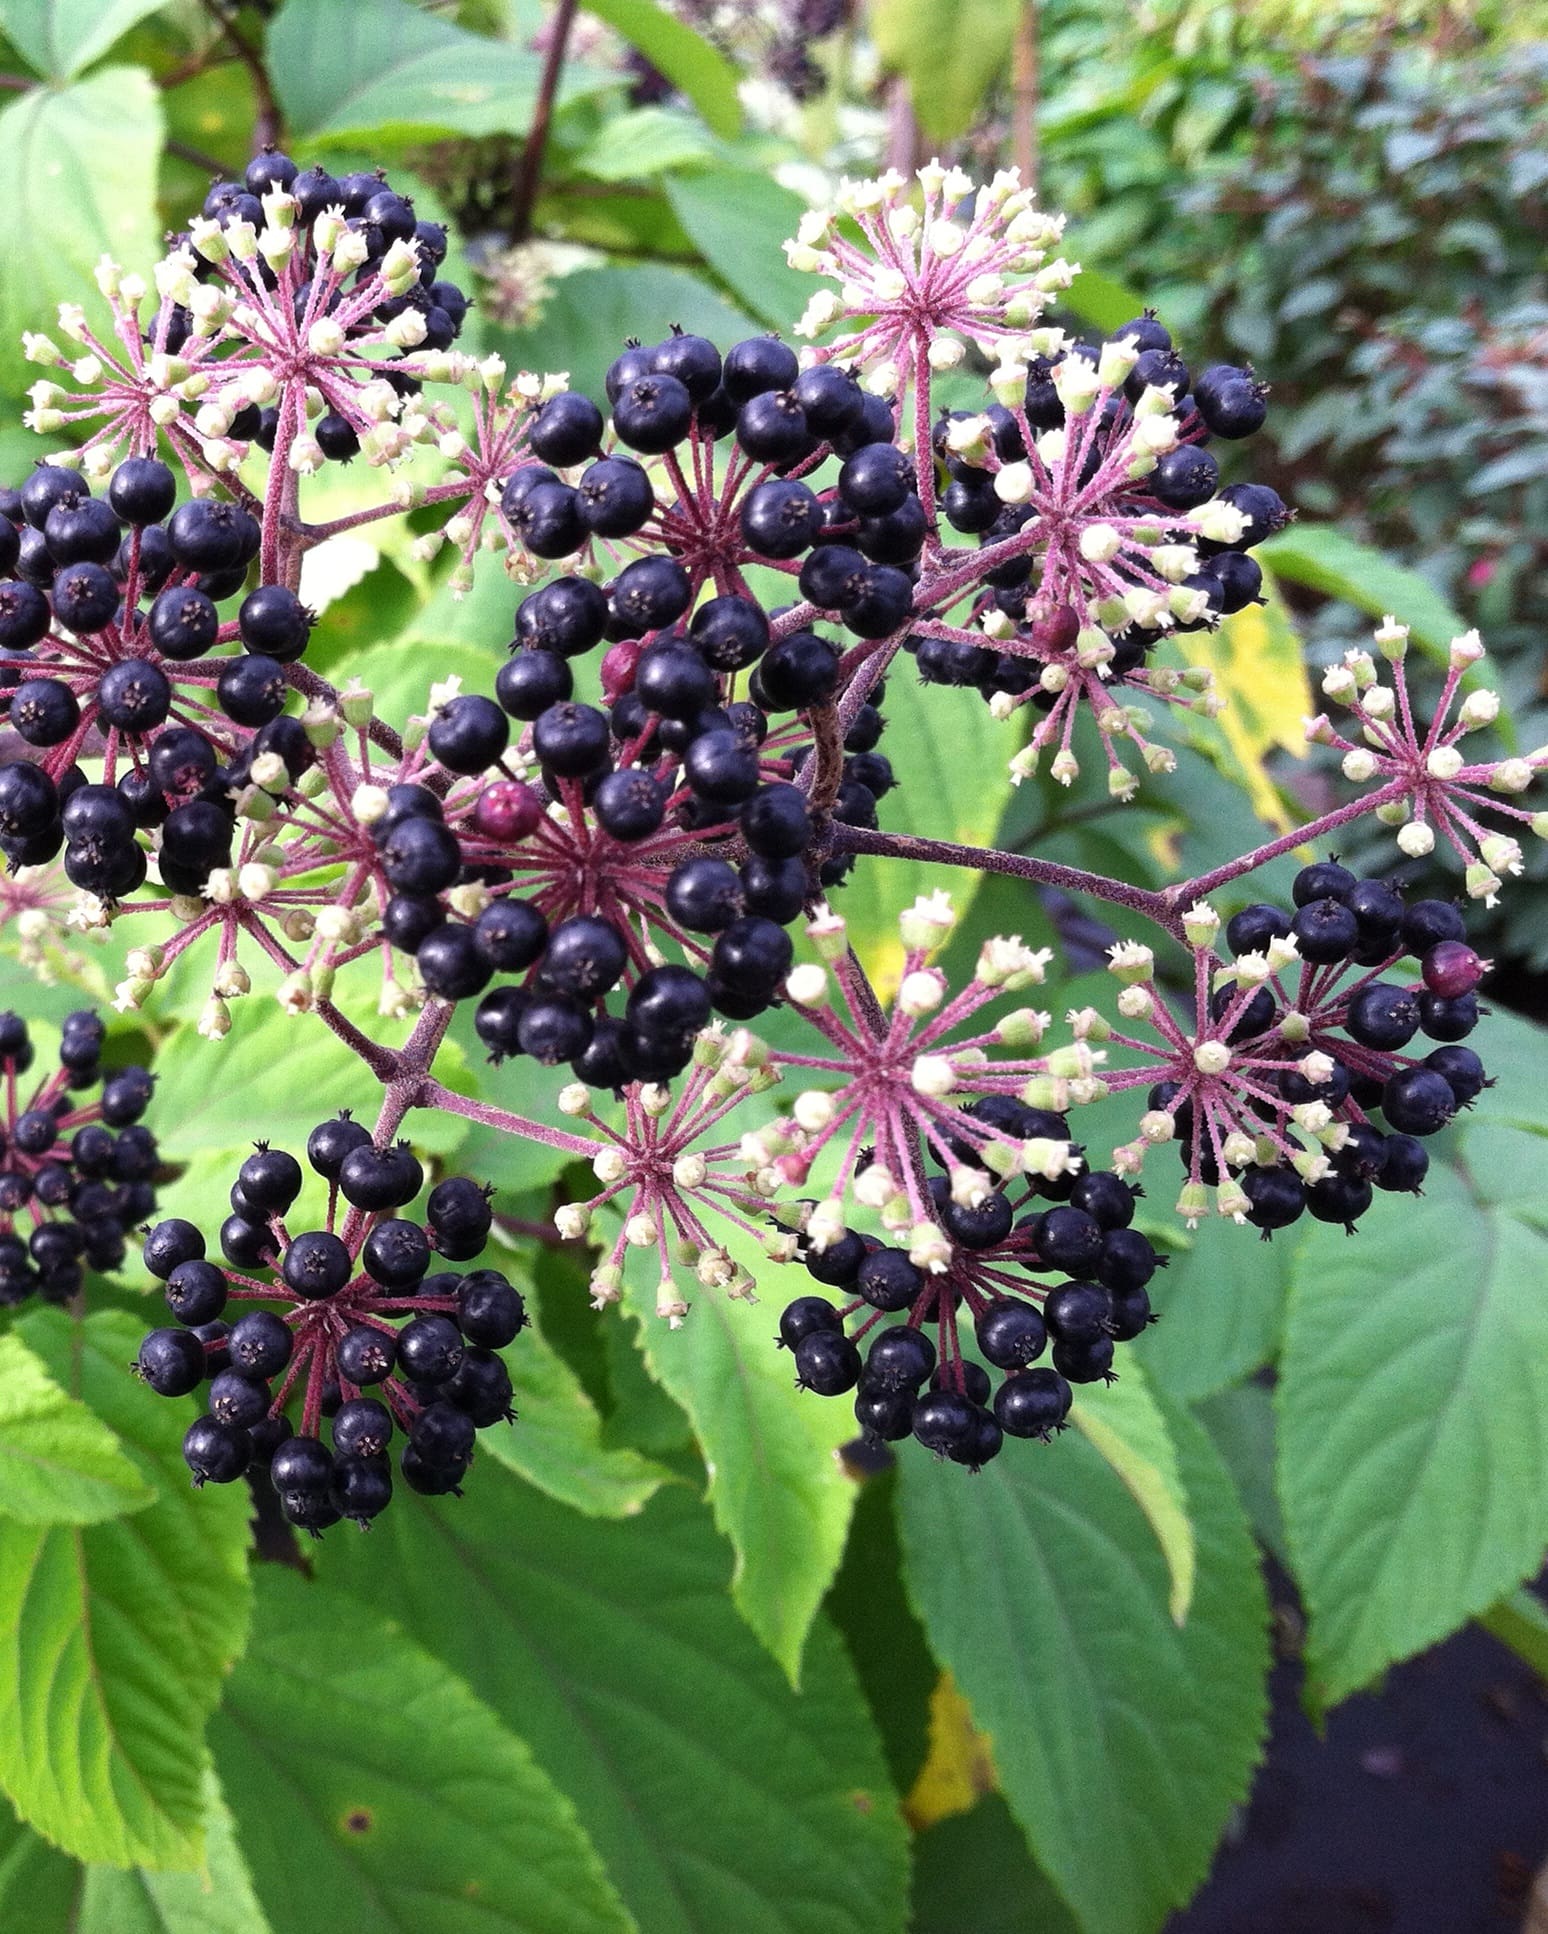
959	1767
1261	674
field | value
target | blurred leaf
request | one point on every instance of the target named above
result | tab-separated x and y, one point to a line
373	1790
1413	1407
116	1636
1122	1742
957	788
1326	559
1101	301
959	1766
718	1798
739	222
1261	674
205	1094
951	51
344	68
59	1464
47	1893
687	60
776	1485
1521	1622
645	142
590	313
1125	1424
1241	1424
60	37
79	164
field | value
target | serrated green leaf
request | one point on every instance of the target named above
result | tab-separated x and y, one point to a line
1220	1303
951	52
79	165
374	1790
776	1486
116	1636
959	785
689	62
1126	1425
739	222
205	1094
704	1781
218	1900
1413	1415
556	1442
61	37
1121	1741
59	1464
346	68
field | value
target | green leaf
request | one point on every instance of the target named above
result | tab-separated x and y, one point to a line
718	1798
556	1442
116	1635
959	763
776	1486
1326	559
220	1900
205	1095
1121	1741
373	1790
586	319
79	165
1413	1411
1125	1423
1009	1893
648	141
1521	1622
61	37
951	51
1099	299
686	59
1221	1302
739	222
58	1463
345	68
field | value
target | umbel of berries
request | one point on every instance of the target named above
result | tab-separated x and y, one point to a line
332	1355
77	1166
971	1283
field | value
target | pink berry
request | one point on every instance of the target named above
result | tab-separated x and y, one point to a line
618	665
1058	630
1451	968
507	810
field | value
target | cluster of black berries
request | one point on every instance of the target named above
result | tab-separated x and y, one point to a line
380	216
74	1172
361	1310
1343	925
1225	402
907	1383
864	533
108	636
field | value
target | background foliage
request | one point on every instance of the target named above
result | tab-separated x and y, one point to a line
676	1665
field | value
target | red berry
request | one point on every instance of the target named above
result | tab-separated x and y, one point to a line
1058	631
507	810
1451	968
618	664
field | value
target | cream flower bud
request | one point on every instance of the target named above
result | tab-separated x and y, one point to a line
1445	762
928	1248
813	1110
572	1220
1511	775
1212	1057
933	1075
1136	1003
609	1166
928	923
1359	765
1415	840
1465	651
1478	709
1007	962
807	985
1201	923
921	993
